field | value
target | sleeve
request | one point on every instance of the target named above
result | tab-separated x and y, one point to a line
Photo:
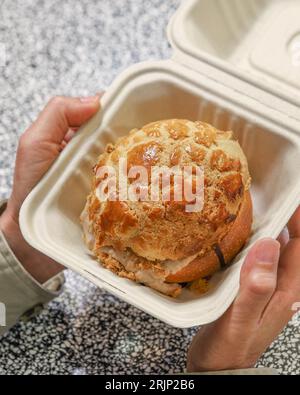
21	296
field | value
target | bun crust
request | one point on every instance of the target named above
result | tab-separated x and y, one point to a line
229	247
144	227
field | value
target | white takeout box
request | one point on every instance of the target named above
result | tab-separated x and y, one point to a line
235	66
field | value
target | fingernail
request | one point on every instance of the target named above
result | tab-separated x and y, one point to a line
268	251
89	99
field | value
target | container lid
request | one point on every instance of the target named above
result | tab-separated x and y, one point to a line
255	41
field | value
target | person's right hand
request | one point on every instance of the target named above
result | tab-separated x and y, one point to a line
269	288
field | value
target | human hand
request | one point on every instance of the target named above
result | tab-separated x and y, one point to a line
38	148
269	287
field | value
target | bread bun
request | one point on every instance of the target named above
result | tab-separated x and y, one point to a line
154	233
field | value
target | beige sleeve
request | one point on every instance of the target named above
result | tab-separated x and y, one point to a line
21	296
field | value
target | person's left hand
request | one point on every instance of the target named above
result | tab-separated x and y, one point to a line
38	148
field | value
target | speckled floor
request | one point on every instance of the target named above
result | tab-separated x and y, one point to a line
73	47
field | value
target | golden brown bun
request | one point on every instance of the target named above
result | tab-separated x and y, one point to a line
229	247
157	274
159	231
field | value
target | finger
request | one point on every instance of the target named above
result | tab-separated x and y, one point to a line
281	307
70	134
60	114
289	269
288	284
258	280
287	292
284	238
294	225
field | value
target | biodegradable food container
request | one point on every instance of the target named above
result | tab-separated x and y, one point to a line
235	66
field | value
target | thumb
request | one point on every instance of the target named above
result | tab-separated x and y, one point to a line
61	114
258	279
